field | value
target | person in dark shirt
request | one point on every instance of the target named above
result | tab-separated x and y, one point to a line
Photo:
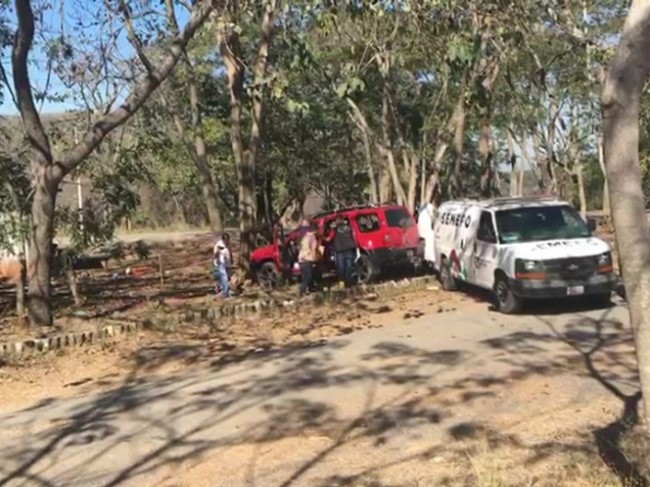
344	246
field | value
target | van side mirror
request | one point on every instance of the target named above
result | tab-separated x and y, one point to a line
591	224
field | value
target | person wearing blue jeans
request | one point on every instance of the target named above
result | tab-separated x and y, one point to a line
344	265
221	276
222	264
344	246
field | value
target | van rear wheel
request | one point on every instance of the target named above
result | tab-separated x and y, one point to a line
507	302
446	279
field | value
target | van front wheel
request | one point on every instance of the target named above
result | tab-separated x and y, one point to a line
507	302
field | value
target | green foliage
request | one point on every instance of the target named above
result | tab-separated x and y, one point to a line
15	193
426	53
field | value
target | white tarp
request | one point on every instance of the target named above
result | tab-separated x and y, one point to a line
425	229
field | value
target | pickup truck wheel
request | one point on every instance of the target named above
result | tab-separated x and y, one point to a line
268	276
364	270
507	302
446	279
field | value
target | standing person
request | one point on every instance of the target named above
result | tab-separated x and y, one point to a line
307	257
426	221
345	249
222	264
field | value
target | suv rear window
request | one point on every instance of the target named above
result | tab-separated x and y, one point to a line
368	222
399	218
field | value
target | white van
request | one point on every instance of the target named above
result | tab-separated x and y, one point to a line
521	248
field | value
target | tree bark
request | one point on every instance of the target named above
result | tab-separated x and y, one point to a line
489	70
245	159
413	179
433	181
607	212
39	289
621	101
198	152
230	49
45	185
486	182
539	162
550	146
582	197
208	186
198	149
20	288
458	119
512	160
362	125
387	144
367	149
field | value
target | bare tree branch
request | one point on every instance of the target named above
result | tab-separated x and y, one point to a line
135	40
140	93
24	96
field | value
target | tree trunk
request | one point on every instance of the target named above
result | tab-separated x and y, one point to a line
40	252
486	158
582	197
434	180
20	288
268	200
413	179
230	50
522	179
621	100
374	195
489	70
387	145
247	200
208	187
362	125
198	150
512	160
607	212
539	162
245	160
458	119
385	185
550	147
423	170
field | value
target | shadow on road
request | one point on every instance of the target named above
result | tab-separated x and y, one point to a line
255	398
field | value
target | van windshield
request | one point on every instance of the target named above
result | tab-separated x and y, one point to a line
540	223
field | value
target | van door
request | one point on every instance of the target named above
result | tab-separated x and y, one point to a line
484	259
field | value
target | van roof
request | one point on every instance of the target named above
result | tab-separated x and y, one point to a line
510	202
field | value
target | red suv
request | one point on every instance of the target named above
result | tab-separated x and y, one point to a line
387	236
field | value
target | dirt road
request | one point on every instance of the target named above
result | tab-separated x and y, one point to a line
424	402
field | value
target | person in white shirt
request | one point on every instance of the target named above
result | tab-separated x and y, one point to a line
222	264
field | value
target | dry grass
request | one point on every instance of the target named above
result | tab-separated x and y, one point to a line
507	467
